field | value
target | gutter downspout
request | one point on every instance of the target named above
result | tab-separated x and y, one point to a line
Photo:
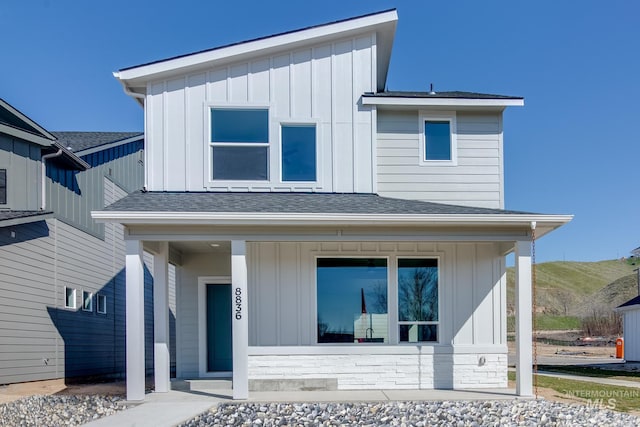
43	203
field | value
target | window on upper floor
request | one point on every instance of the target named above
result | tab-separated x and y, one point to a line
298	152
87	301
69	297
240	144
438	141
102	304
3	186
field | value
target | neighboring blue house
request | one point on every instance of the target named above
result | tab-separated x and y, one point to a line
326	232
61	274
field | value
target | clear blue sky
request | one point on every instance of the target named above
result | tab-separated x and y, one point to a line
574	148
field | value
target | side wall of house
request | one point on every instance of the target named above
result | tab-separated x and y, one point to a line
631	335
320	85
21	159
476	180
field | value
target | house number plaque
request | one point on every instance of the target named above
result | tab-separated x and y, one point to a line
238	303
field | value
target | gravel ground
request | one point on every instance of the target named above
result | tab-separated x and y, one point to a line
459	413
58	410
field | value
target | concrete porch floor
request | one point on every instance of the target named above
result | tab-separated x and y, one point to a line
176	406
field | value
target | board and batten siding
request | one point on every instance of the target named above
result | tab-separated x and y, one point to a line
631	319
21	159
320	85
476	180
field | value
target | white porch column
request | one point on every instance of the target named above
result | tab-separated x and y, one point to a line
135	320
161	318
524	358
240	328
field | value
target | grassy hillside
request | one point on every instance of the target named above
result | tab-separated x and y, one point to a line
574	288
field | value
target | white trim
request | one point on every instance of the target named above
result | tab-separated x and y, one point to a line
418	348
75	296
108	145
440	102
98	297
90	308
203	281
626	308
440	116
295	38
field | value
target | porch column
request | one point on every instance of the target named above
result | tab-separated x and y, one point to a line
524	359
240	325
135	320
161	318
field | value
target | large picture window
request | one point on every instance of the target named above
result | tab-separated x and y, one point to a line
418	299
352	300
298	152
240	144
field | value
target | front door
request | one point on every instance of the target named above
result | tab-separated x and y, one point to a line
219	343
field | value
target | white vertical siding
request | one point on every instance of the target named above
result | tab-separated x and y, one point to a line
632	335
477	180
321	84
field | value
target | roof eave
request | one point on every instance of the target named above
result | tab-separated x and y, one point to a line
441	102
382	22
26	220
544	223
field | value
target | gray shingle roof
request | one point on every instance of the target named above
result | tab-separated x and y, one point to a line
79	141
12	215
315	203
450	94
633	301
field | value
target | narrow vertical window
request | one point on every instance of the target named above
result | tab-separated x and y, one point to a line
3	186
69	297
87	301
418	299
437	135
102	304
298	152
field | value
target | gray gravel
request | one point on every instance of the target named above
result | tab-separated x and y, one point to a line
458	413
58	410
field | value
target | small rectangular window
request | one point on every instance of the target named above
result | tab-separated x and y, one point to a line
418	299
437	135
299	153
102	304
3	186
87	301
239	144
69	297
352	300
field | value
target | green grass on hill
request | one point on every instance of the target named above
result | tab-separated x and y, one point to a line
546	322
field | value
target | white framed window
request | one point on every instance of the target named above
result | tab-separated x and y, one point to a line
438	138
239	143
351	300
87	301
418	299
299	152
101	302
69	297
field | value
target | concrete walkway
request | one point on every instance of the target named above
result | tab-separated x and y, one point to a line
175	407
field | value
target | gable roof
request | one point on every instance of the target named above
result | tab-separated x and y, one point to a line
630	303
270	208
383	23
15	123
83	141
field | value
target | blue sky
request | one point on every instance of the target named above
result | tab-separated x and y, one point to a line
574	148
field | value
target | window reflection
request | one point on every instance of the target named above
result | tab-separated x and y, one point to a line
418	299
352	300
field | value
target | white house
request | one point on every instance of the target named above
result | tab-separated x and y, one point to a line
293	191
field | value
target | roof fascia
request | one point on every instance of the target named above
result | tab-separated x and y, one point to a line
440	102
27	120
385	20
108	145
627	308
77	162
25	220
27	136
545	223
